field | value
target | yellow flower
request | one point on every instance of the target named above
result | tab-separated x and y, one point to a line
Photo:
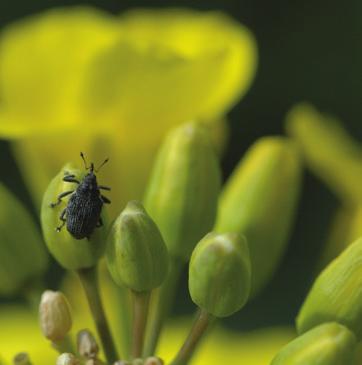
112	86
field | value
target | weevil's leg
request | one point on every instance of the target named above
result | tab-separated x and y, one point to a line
70	178
105	200
62	218
104	187
100	223
60	197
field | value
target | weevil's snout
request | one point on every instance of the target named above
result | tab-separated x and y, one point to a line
92	167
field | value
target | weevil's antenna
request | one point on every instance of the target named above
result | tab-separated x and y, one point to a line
103	163
85	163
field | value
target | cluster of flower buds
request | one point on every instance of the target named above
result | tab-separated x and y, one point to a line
329	322
184	218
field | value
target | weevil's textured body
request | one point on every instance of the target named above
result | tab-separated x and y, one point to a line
83	211
84	208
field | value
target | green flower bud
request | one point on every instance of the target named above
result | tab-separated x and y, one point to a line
22	358
219	273
23	255
332	154
259	200
86	344
67	359
136	253
327	344
54	314
71	253
336	295
183	190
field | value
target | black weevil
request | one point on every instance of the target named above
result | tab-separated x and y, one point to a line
83	211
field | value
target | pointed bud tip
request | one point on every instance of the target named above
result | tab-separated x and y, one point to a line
86	344
67	359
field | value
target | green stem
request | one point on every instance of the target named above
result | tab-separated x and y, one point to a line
124	301
140	312
32	293
89	280
161	302
198	329
64	345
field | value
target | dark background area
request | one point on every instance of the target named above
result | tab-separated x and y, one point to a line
308	50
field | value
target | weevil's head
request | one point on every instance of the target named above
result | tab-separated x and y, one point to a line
89	182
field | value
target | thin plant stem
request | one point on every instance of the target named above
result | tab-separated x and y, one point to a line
140	312
89	280
161	303
64	345
124	301
197	331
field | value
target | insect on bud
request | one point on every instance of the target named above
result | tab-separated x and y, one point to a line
22	358
336	295
67	359
23	256
86	344
327	344
54	314
259	200
71	253
219	273
183	189
136	253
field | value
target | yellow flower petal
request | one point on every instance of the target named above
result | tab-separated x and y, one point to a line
43	62
171	66
100	84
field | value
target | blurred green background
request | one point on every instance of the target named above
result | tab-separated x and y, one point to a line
308	50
